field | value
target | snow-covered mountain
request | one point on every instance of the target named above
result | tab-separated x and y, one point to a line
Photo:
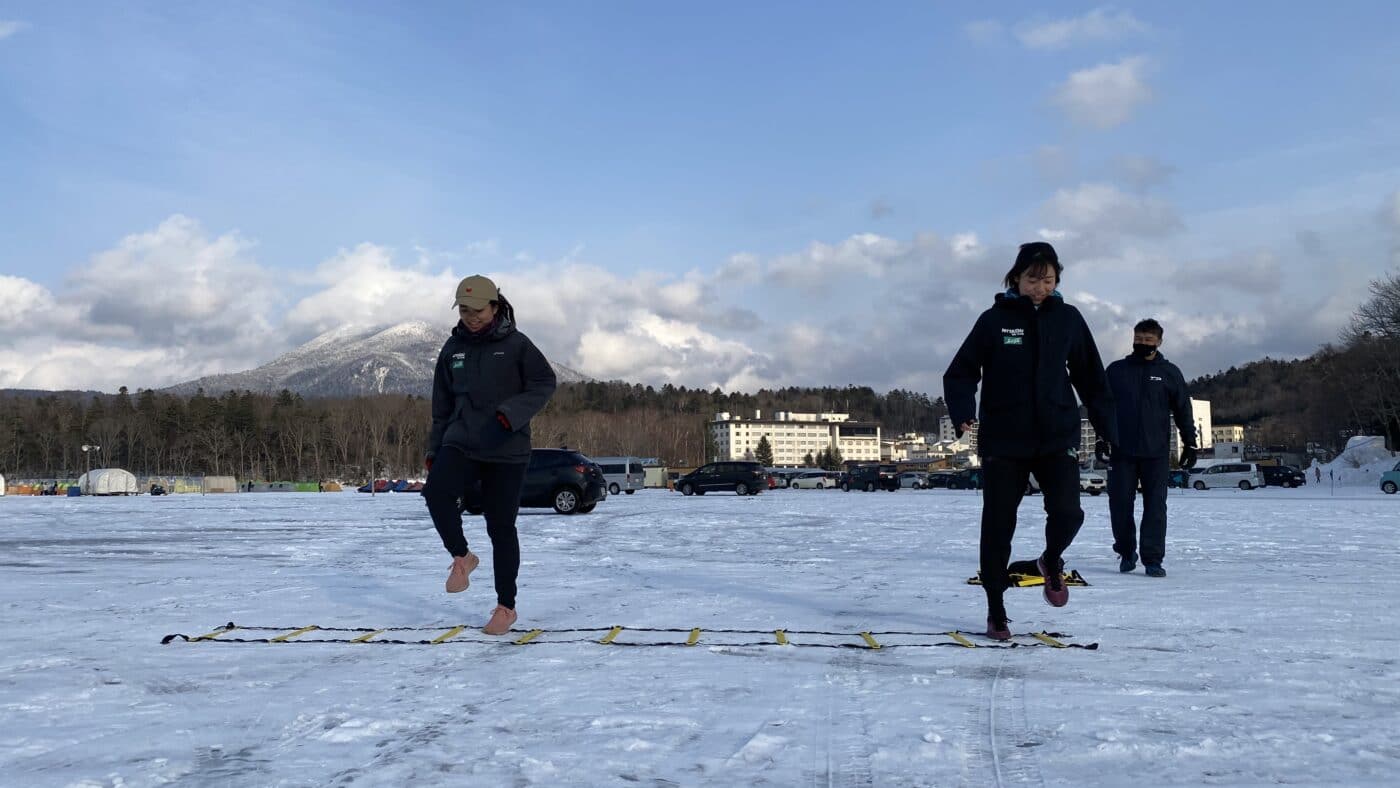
350	361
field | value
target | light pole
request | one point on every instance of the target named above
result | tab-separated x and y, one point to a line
87	477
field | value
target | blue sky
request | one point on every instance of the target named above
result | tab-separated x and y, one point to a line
718	194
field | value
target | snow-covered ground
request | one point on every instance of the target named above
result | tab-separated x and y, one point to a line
1271	653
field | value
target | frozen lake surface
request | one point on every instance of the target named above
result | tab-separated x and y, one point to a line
1269	655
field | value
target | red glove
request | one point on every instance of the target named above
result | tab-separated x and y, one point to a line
505	422
428	463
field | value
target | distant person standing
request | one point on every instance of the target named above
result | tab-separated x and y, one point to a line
1151	394
490	381
1031	352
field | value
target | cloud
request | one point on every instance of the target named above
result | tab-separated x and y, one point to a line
1141	172
9	27
1390	211
1106	95
1099	209
364	285
880	208
1099	25
175	286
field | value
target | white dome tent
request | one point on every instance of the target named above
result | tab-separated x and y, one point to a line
107	481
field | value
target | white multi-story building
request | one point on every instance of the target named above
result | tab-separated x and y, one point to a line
1200	411
946	429
793	436
1227	433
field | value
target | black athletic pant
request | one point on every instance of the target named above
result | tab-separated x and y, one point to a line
500	486
1004	481
1124	473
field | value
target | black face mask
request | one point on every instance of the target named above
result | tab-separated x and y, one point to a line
1143	351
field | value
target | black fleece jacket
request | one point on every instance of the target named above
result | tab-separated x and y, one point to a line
1149	395
1027	359
478	377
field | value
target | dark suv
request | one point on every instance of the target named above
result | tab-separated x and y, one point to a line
563	479
966	479
744	478
1283	476
871	478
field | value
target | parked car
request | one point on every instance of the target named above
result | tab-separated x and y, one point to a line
1244	475
811	480
744	478
914	479
871	478
562	479
1390	480
966	479
1179	477
1283	476
940	479
623	474
1092	482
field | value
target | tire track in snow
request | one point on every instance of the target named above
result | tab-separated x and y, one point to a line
847	744
998	748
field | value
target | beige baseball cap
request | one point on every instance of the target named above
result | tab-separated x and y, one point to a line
476	292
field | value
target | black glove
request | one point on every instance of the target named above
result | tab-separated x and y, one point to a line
1188	458
1103	450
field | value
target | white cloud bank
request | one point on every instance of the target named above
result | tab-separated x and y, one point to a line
1106	95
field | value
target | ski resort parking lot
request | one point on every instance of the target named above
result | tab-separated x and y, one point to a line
1270	654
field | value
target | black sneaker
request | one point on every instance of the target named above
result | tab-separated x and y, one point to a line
1127	563
1155	570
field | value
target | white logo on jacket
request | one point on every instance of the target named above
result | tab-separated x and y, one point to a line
1014	332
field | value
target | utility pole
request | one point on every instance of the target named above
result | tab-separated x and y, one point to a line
88	448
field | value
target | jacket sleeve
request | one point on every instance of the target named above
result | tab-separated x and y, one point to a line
1181	412
444	402
1087	374
539	384
961	379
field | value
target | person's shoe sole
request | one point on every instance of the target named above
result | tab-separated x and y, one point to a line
455	584
1053	598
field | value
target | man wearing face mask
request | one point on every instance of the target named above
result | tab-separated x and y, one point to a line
1151	394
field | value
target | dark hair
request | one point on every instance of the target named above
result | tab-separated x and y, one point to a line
505	309
1148	326
1036	254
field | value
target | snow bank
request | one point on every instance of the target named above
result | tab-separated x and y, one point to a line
1361	463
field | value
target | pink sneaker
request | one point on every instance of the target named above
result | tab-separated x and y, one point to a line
459	578
1056	592
501	619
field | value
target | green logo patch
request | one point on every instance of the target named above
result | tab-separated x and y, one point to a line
1011	340
458	363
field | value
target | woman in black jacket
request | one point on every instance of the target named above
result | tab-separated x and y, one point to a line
489	382
1027	351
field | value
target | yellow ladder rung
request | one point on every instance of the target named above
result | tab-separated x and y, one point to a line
694	637
1047	640
869	641
962	641
448	635
365	638
298	633
611	636
781	635
529	636
215	633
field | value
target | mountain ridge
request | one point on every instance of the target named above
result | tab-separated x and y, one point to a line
348	361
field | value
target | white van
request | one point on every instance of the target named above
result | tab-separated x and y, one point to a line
622	474
1244	475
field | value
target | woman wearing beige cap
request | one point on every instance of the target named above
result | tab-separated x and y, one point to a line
489	382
